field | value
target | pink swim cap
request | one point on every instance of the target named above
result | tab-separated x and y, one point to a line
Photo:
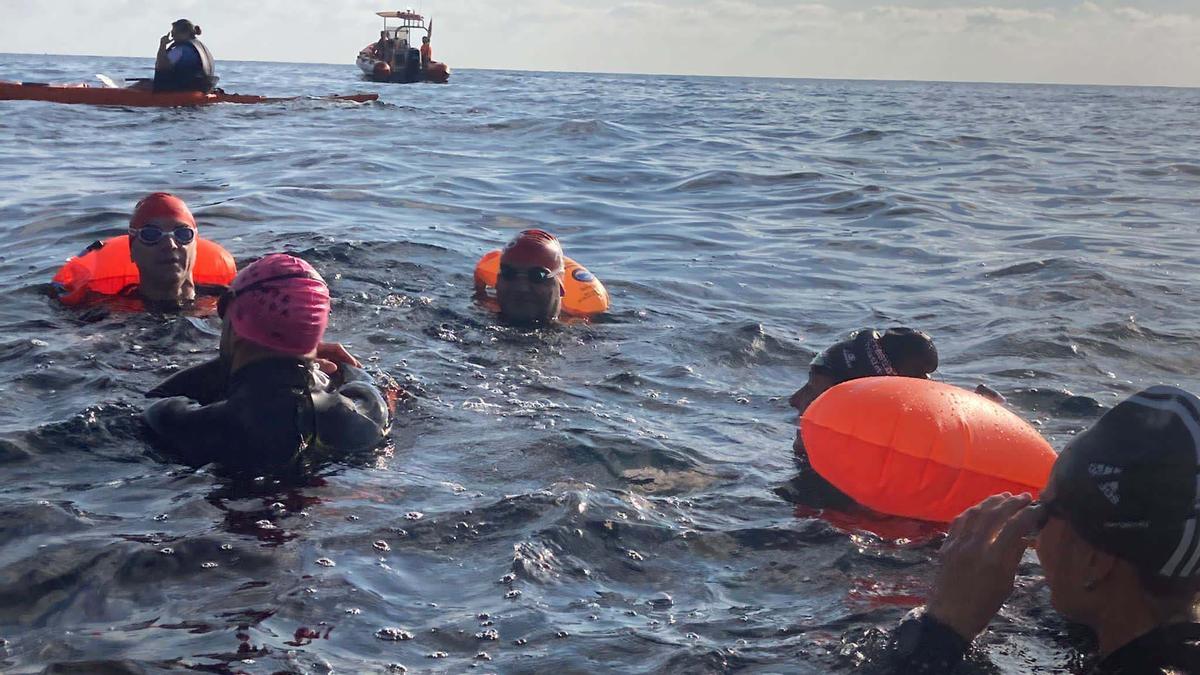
279	302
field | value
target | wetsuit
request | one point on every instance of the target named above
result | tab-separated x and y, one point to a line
808	488
922	645
277	413
191	69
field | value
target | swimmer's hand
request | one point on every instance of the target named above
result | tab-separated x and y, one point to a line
330	354
990	394
979	562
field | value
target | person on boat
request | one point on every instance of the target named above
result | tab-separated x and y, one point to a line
276	397
183	62
426	52
161	264
529	286
1115	532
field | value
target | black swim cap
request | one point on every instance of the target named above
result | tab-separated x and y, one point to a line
869	353
1128	485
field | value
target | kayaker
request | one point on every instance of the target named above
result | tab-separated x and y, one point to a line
267	403
426	52
183	62
1116	536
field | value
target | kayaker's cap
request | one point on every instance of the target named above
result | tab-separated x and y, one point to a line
1128	485
534	248
279	302
160	205
185	25
869	353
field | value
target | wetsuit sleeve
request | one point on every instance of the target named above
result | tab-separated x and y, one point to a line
922	645
196	434
355	416
205	383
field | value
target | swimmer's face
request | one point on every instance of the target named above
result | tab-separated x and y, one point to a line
1064	555
818	383
528	295
165	265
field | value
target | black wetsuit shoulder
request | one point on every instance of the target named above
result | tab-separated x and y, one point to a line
269	414
1169	649
921	645
808	488
206	383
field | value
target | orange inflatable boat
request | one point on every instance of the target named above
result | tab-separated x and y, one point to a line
109	270
921	449
86	94
583	294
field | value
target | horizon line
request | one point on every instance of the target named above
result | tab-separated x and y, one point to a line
670	74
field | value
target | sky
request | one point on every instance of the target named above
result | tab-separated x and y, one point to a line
1136	42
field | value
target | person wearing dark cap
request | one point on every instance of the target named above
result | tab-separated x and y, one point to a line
183	62
868	353
1117	535
529	286
895	352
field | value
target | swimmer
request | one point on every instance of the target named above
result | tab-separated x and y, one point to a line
899	352
529	287
161	265
1116	535
162	243
267	401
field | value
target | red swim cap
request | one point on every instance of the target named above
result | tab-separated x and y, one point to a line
160	205
534	248
279	302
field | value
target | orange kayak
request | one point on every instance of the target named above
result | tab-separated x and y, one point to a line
85	94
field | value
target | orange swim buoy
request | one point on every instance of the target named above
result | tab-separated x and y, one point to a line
583	294
109	269
921	449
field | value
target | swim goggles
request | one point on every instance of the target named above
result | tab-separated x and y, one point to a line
151	235
1047	509
231	294
536	275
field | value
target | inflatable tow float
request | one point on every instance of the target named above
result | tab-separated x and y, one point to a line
921	449
106	268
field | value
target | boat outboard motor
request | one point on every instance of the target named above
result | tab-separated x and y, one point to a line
412	66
